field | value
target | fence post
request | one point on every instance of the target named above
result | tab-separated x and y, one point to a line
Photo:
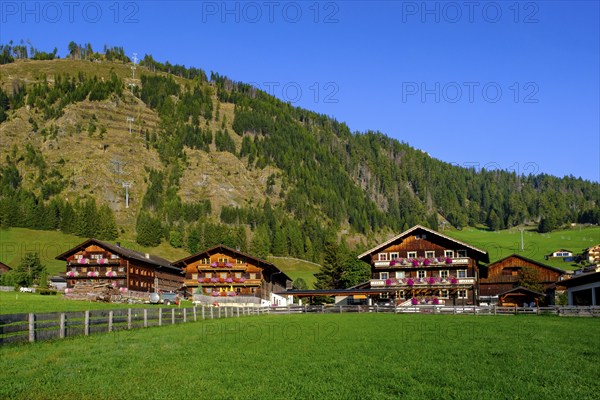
226	312
145	317
62	325
160	316
110	321
202	311
172	316
211	313
86	328
195	319
238	312
185	315
129	318
31	327
516	311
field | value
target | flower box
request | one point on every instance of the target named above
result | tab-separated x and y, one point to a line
111	274
214	280
448	260
228	280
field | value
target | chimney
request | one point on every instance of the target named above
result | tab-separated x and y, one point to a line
147	255
118	244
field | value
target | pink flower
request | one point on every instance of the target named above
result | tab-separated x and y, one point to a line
453	281
414	301
410	282
448	260
426	262
392	263
388	282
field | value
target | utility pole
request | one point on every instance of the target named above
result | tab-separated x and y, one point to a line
133	67
127	185
522	242
130	120
118	165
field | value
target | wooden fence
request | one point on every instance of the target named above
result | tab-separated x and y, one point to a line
15	328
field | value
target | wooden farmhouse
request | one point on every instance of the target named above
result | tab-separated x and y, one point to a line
4	268
223	271
424	266
95	261
502	276
592	254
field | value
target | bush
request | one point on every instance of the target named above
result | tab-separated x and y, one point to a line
47	292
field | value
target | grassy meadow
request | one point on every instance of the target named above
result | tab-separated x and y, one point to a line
331	356
16	303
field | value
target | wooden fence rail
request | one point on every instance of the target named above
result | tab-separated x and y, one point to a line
15	328
34	327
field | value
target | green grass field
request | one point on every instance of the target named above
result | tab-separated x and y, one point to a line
296	268
16	303
348	356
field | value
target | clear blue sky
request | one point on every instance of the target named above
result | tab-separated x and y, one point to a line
503	84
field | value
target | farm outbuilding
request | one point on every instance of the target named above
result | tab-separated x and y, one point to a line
583	289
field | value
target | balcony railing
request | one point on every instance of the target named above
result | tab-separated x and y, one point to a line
421	282
421	263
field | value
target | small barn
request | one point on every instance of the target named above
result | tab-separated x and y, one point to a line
4	268
520	297
560	253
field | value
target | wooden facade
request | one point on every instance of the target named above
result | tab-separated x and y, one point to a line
505	275
425	265
4	268
223	271
592	254
95	261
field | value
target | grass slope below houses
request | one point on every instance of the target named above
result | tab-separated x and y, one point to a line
17	303
500	244
296	268
317	356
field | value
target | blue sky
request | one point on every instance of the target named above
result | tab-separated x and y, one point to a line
511	85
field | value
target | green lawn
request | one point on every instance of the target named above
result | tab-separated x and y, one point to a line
16	303
536	245
296	268
348	356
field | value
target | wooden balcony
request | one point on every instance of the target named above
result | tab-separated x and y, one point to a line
457	261
397	283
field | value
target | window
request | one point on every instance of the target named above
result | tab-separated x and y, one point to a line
205	261
194	276
121	269
96	256
78	256
461	273
461	253
399	274
252	276
412	254
208	274
449	253
383	257
83	269
384	296
383	275
239	261
223	259
393	256
401	294
444	294
238	274
223	275
429	254
421	273
462	294
444	274
114	257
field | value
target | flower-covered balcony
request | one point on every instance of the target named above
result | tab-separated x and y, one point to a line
408	283
422	262
95	274
223	266
94	261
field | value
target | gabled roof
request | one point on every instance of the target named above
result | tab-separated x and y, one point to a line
122	252
5	266
582	279
484	254
220	248
539	264
521	289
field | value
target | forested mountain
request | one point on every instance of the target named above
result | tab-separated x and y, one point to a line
212	161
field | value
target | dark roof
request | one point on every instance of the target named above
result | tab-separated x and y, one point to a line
5	266
521	289
539	264
122	252
555	251
219	248
333	292
484	255
581	279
